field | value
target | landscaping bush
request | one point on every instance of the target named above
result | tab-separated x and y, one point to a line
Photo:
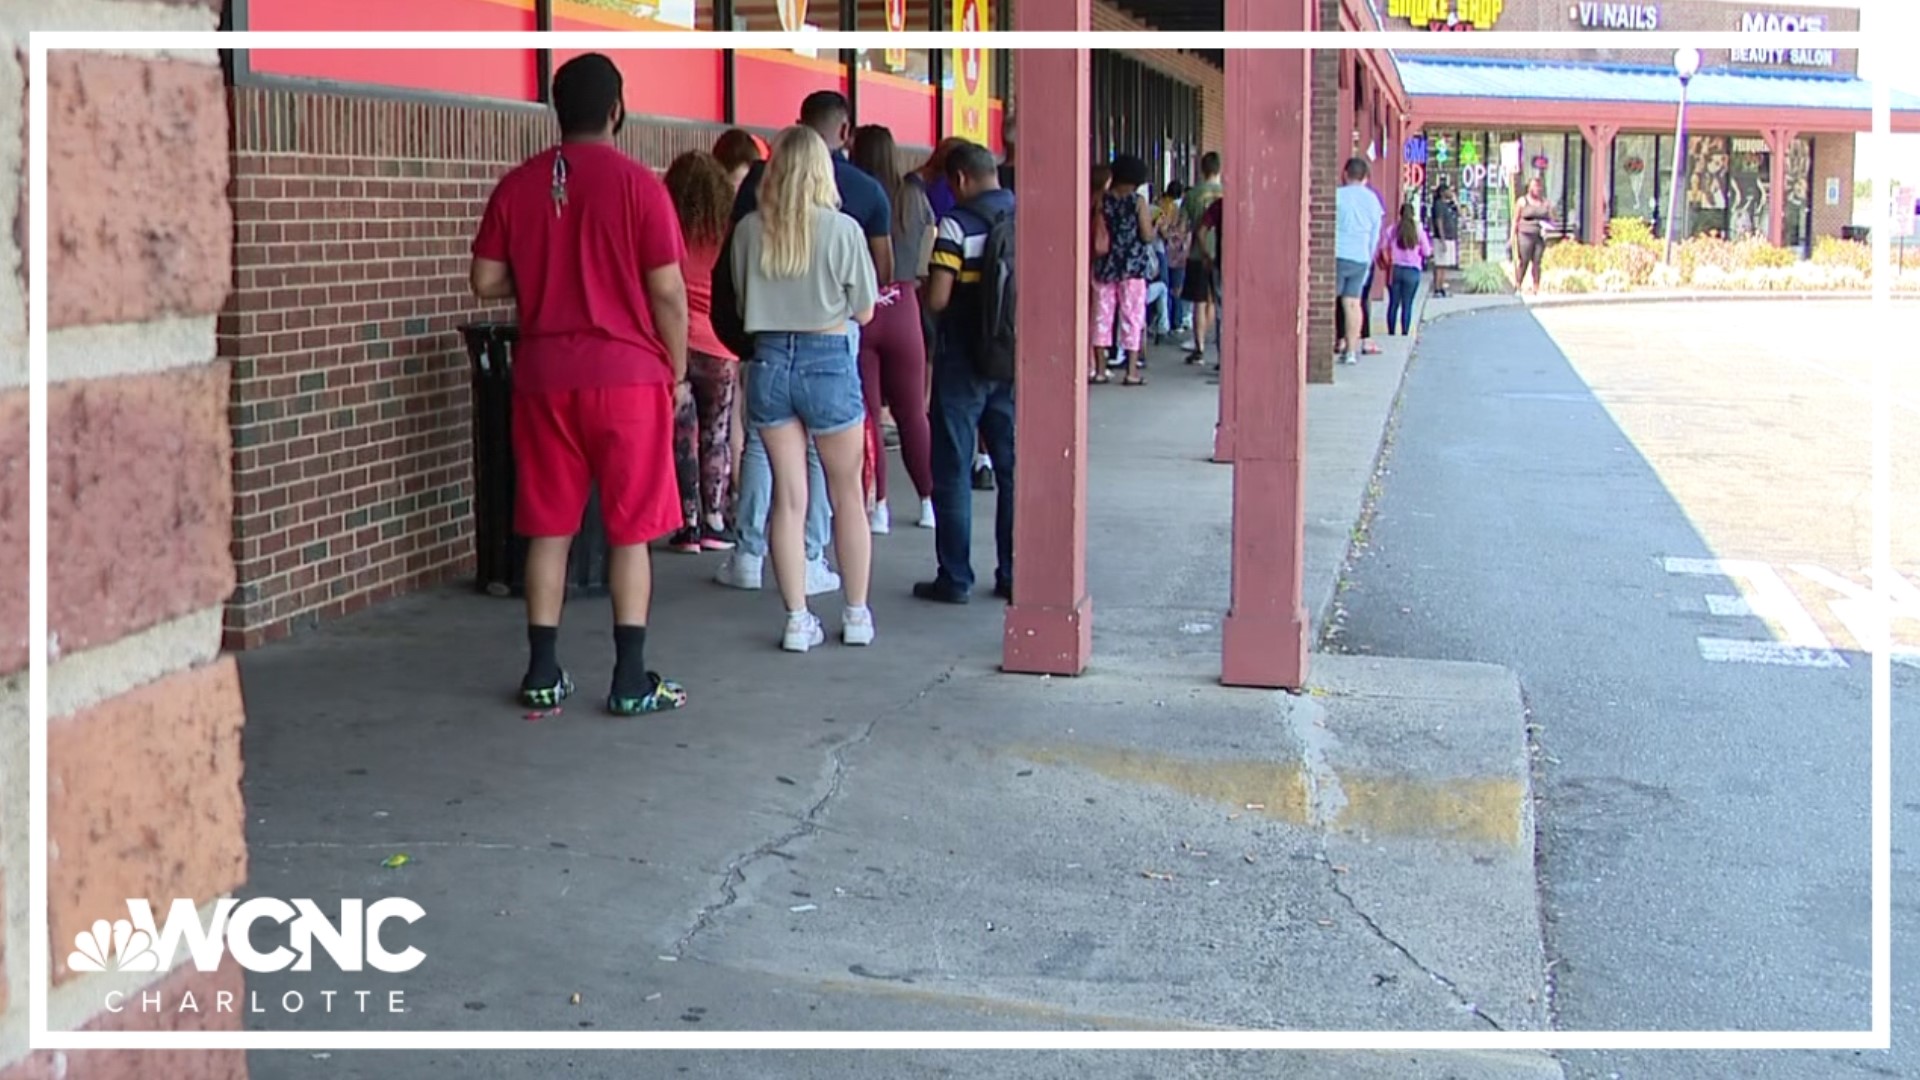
1755	253
1833	251
1632	232
1615	281
1484	278
1665	277
1571	255
1567	281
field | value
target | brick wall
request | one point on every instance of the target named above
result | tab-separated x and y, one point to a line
1832	159
1186	67
1328	152
144	734
352	461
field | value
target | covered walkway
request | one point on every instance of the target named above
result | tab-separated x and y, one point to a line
901	837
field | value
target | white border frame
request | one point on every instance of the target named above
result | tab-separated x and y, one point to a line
1879	1037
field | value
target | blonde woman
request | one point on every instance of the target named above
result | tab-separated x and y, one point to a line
802	273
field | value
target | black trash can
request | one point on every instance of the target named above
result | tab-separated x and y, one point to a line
501	555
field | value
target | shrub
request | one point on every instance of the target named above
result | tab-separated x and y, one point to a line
1755	253
1613	281
1569	255
1567	281
1706	255
1833	251
1665	277
1484	278
1632	232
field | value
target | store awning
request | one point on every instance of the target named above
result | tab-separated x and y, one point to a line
1522	92
1531	80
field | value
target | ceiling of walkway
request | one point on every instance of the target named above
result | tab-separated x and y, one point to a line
1179	15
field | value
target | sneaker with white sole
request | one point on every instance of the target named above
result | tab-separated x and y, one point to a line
803	632
926	514
740	571
856	626
881	520
821	578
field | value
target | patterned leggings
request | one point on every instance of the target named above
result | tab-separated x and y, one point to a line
702	450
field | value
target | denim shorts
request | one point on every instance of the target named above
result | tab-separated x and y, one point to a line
1352	277
812	378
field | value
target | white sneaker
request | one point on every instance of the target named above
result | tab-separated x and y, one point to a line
856	626
881	520
821	578
1350	358
803	632
740	571
926	514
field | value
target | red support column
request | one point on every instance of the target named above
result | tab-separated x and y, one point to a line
1599	139
1779	144
1267	628
1049	626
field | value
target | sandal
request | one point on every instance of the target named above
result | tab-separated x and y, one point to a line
1370	348
663	695
1099	380
1134	380
547	697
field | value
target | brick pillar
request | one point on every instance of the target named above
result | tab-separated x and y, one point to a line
1266	632
1599	209
1329	152
145	715
1049	627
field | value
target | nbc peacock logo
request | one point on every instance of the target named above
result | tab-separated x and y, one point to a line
116	946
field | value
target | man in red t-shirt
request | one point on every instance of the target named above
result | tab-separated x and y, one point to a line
585	240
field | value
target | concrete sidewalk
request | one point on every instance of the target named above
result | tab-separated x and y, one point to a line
902	837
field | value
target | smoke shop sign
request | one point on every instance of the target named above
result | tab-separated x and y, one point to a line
1759	22
1447	14
1599	16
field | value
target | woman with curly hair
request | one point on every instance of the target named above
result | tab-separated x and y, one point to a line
703	419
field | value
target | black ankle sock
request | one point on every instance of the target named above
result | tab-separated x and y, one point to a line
543	662
630	661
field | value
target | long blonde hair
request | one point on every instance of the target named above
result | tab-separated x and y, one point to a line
798	180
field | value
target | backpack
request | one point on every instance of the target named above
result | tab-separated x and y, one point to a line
993	358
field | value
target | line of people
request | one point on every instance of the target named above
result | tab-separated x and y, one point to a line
713	349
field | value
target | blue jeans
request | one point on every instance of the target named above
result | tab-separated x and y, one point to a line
1176	284
756	486
1400	293
962	405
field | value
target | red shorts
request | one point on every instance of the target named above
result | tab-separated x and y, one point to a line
620	438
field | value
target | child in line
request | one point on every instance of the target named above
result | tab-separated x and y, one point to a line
1120	278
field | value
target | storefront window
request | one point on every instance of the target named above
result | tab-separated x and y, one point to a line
1749	180
1799	224
1709	161
663	14
792	16
897	16
1635	164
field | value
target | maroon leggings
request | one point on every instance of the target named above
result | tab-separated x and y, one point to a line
893	371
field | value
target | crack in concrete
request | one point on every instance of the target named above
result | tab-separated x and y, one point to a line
1333	880
735	874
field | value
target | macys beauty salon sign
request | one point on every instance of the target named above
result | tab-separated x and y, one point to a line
1763	22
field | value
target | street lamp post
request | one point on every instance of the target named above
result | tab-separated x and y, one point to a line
1686	64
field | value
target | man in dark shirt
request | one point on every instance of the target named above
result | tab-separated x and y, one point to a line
865	201
964	403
